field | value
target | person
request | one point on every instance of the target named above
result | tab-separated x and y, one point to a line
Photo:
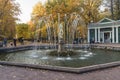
11	43
21	40
5	42
14	41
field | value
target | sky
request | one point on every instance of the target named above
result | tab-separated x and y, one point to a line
26	7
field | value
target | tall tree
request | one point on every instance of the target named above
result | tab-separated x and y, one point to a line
112	11
9	10
114	7
117	9
63	7
90	11
38	11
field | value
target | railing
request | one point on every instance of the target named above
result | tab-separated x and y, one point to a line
107	24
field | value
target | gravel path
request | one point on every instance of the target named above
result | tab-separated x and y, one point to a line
18	73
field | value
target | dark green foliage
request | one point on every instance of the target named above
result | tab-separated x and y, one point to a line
62	54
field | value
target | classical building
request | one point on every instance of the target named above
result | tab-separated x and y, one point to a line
104	31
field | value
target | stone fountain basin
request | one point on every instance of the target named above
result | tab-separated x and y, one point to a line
64	69
53	68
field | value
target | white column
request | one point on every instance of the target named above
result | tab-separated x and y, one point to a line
103	41
95	35
88	35
98	34
116	34
113	40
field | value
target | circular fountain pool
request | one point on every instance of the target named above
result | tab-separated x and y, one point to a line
41	57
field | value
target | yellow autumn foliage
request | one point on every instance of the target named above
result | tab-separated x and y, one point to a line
38	10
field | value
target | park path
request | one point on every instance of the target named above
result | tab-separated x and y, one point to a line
20	73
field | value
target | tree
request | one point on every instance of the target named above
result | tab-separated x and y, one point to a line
8	12
117	9
31	29
114	8
23	30
90	10
38	11
3	5
105	13
63	7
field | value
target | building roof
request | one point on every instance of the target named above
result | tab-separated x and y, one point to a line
104	23
104	20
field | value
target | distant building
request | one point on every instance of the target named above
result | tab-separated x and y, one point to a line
104	31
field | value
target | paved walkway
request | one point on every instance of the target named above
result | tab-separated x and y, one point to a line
17	73
112	45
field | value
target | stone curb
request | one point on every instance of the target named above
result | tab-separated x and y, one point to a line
31	47
64	69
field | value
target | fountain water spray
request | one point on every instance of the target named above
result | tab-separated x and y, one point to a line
71	26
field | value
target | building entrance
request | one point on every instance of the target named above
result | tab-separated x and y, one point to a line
107	37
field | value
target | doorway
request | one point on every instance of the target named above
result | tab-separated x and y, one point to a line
107	38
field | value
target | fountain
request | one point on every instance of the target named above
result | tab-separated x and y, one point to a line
63	54
64	48
61	47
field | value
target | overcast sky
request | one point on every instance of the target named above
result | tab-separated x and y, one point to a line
26	7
